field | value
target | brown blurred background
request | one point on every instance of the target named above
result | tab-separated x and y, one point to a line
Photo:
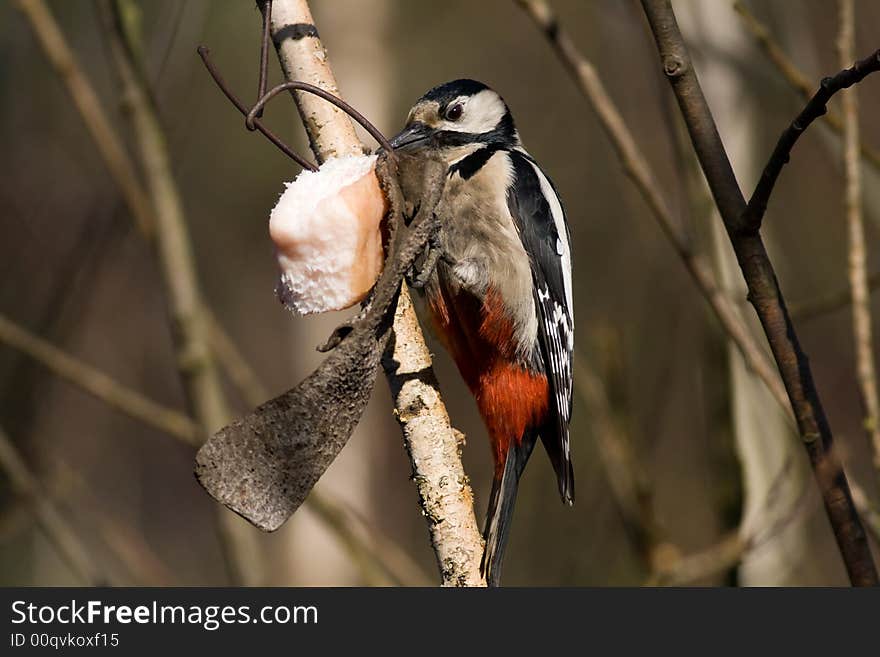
76	272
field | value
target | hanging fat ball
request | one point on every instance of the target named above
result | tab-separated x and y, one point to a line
327	235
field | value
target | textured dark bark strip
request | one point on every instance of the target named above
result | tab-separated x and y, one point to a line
764	294
264	465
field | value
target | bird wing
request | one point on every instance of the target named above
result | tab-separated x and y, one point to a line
540	221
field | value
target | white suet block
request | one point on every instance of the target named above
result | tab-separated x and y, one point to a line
327	232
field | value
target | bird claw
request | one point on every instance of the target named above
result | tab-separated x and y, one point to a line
418	275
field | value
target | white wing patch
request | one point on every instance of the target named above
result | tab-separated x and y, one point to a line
559	332
545	237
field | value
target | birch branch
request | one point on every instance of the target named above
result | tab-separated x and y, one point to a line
432	443
380	559
764	292
858	274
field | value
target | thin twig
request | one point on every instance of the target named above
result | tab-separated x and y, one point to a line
637	169
816	106
296	85
205	54
99	385
68	544
764	292
796	78
858	275
432	443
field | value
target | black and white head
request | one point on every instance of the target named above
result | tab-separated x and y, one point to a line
457	116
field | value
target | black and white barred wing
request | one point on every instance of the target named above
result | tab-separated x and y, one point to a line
540	221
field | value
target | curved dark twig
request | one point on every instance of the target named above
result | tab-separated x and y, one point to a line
815	107
764	292
251	119
205	53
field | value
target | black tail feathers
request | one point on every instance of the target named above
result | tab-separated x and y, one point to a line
500	512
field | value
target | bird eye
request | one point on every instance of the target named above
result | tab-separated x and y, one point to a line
454	113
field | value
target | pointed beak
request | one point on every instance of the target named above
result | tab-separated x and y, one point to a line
414	136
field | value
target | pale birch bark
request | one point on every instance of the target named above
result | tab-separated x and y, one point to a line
311	552
764	440
432	443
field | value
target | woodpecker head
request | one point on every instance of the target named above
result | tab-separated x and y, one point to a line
454	119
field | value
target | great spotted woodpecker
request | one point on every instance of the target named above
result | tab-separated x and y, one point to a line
500	295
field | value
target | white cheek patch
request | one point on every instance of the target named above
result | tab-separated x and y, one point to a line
482	112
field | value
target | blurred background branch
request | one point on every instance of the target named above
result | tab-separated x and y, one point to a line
627	479
100	385
837	300
638	170
764	292
668	491
119	166
858	273
25	484
796	78
333	514
195	361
